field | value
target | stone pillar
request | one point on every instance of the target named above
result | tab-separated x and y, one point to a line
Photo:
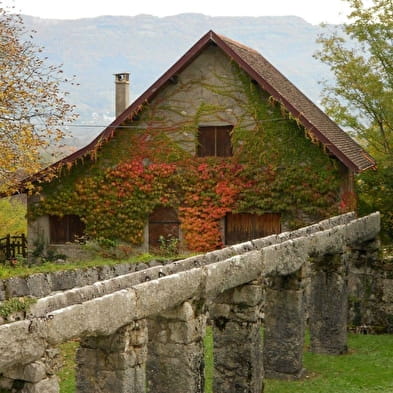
176	355
37	377
284	327
114	363
236	317
328	304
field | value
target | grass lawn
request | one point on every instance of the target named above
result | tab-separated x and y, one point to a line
22	269
368	367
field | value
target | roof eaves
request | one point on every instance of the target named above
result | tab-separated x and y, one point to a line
292	109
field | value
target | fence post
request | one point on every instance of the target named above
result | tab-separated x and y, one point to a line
24	245
8	247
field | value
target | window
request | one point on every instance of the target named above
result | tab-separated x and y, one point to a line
214	141
244	226
65	229
163	222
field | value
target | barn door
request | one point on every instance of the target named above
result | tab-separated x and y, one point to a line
65	229
163	222
244	226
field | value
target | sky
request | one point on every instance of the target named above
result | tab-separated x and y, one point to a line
313	11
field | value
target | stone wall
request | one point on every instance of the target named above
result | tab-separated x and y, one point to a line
154	319
370	290
42	284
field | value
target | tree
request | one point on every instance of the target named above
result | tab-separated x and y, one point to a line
360	56
33	108
12	216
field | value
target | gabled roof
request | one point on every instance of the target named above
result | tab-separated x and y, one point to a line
269	79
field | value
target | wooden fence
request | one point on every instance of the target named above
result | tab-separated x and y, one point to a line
12	246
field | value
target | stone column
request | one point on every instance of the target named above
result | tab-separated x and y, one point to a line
284	327
328	304
37	377
176	354
236	317
114	363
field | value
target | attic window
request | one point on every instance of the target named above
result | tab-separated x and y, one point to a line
65	229
214	141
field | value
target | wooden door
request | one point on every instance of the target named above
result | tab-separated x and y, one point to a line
163	222
65	229
242	227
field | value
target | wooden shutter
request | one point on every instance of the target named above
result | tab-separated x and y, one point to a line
244	226
223	141
163	222
214	141
65	229
206	141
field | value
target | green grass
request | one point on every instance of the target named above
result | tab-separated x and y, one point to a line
208	343
67	372
368	367
22	269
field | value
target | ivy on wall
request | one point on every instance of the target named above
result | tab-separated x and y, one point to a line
275	168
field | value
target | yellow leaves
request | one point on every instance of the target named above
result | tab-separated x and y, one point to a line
32	106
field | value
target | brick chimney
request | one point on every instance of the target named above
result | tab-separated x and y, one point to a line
122	97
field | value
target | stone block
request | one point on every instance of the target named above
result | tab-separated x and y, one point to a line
219	310
286	258
20	344
87	277
158	295
49	385
284	333
250	295
232	272
242	248
2	291
6	383
186	333
86	319
33	372
16	287
363	229
121	269
63	280
219	255
39	285
184	312
237	357
265	241
141	266
104	272
387	286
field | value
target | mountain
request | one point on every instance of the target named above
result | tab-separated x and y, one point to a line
94	49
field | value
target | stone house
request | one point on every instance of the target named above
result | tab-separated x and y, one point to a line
222	148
